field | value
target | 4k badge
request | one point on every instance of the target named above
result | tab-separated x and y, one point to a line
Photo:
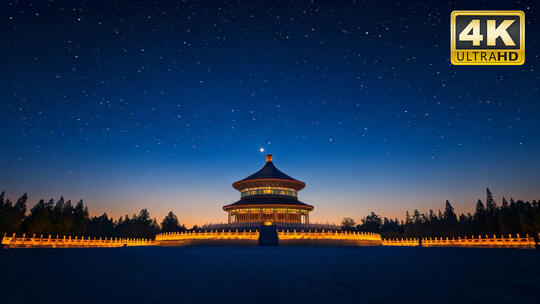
487	37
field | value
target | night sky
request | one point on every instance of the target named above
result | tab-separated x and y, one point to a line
164	105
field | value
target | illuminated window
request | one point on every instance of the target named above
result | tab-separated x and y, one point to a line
269	191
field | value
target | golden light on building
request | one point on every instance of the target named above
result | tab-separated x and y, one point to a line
267	197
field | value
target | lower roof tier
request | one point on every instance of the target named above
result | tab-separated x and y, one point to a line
260	201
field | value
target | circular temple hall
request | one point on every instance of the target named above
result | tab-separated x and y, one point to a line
267	197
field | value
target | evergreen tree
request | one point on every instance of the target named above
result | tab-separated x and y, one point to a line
450	220
440	216
449	214
416	218
480	210
20	206
80	218
491	225
491	206
170	224
11	216
371	223
62	217
143	226
407	217
504	203
504	218
391	228
123	227
432	218
39	220
101	226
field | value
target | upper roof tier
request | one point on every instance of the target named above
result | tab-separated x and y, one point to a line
270	176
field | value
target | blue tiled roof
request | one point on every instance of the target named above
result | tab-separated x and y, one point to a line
268	171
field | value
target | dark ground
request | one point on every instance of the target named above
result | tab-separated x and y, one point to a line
270	275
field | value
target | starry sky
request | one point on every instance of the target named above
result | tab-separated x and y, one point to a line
164	104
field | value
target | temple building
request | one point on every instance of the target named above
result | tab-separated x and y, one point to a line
268	196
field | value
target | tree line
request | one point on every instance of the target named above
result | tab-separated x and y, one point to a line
63	218
489	218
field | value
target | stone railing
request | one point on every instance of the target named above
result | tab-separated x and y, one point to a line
487	242
401	242
252	235
327	235
69	242
209	234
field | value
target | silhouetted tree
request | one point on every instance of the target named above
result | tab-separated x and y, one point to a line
11	216
491	223
449	214
392	228
170	224
371	223
62	217
505	218
504	203
39	220
139	226
491	206
145	227
101	226
348	224
516	217
407	218
479	216
81	219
